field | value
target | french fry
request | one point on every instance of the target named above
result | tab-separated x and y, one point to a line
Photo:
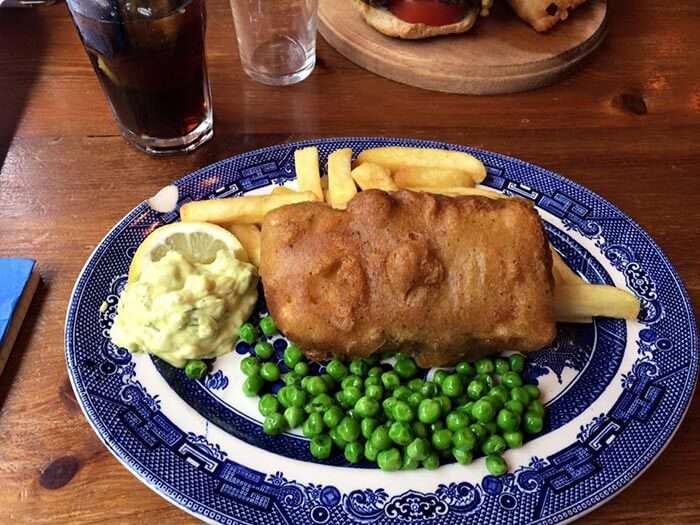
281	190
581	301
341	187
395	158
455	191
370	176
420	177
561	271
249	237
240	210
308	174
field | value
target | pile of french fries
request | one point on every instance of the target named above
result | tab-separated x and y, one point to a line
429	170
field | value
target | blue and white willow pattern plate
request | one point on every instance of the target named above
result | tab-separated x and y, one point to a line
616	391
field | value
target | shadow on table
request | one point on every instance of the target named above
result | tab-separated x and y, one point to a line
22	43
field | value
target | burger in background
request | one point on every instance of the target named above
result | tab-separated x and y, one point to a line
414	19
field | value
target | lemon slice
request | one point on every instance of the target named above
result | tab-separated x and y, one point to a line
198	242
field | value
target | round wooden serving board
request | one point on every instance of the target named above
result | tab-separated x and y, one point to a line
501	54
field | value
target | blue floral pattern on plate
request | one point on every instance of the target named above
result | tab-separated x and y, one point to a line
616	391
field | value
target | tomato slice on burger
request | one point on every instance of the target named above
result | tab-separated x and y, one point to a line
428	12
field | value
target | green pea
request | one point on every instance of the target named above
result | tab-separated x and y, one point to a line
463	457
367	407
409	463
456	420
352	381
313	426
402	412
415	399
295	416
495	400
268	405
301	369
488	380
267	326
442	439
494	445
485	366
515	406
248	333
283	396
367	426
464	439
389	460
492	427
496	465
517	363
375	392
419	429
483	411
401	392
476	389
513	439
358	367
429	411
511	380
337	369
445	404
532	391
388	406
380	438
418	449
466	408
536	408
501	393
373	381
507	420
292	355
415	384
439	376
406	368
370	451
400	433
321	403
321	446
533	423
252	385
501	365
274	424
337	439
330	382
429	389
431	461
465	368
264	350
390	380
452	386
375	371
333	416
351	396
438	425
519	393
353	452
291	378
316	385
250	366
270	372
480	432
196	369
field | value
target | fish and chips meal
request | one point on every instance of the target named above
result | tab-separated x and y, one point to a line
391	264
416	19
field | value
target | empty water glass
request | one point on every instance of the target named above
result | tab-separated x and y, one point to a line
276	39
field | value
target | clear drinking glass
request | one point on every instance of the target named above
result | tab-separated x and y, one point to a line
149	56
276	39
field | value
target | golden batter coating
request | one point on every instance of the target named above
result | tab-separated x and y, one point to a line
441	278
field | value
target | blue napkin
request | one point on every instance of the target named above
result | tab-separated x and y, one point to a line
14	276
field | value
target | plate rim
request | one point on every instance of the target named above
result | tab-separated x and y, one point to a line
692	318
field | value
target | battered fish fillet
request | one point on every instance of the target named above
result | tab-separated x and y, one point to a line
441	278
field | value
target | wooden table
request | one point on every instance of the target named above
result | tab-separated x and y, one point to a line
627	126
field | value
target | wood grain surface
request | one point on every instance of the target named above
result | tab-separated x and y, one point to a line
500	54
627	126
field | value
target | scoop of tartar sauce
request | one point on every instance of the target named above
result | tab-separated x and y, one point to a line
179	310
